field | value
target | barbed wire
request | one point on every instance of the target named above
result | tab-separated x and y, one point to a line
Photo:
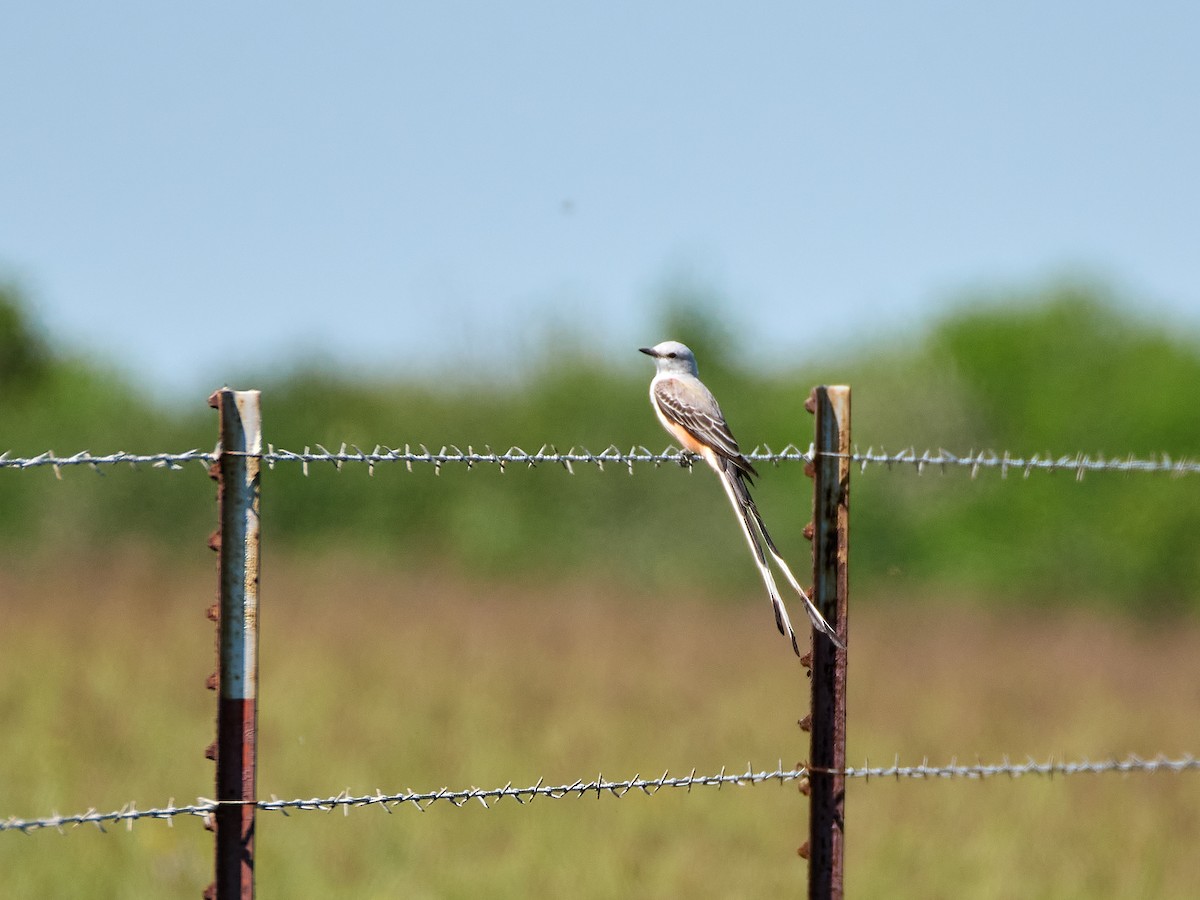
1078	463
600	786
86	458
1050	768
514	456
941	460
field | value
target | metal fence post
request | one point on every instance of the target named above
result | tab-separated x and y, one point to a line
831	540
237	541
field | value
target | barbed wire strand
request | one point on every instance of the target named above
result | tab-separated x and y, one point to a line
941	460
86	458
204	808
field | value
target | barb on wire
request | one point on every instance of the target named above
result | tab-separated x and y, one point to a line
600	786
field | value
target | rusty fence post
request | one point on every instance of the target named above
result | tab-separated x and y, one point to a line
236	472
831	556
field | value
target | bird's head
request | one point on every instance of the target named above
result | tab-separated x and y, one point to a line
673	357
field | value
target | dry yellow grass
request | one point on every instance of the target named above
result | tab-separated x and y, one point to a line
384	679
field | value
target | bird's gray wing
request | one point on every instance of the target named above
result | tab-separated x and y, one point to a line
689	404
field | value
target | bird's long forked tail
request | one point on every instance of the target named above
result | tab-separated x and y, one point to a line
782	621
752	522
819	621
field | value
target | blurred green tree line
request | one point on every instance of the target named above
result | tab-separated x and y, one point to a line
1062	370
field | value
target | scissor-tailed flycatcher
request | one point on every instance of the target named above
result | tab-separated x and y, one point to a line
689	412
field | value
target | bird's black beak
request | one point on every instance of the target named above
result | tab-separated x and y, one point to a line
649	351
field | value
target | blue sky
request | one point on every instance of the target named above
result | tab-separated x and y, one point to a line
195	191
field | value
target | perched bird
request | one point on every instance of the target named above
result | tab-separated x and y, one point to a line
690	414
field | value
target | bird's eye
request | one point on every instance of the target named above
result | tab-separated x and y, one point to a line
671	355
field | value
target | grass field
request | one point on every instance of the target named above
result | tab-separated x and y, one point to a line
384	679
